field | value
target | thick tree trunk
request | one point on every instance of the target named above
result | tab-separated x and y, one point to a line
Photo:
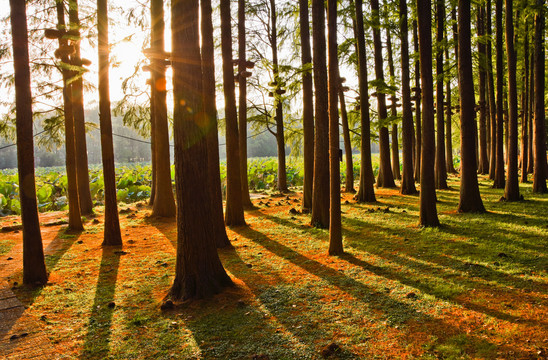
470	199
491	96
82	171
539	134
234	213
499	180
428	215
152	148
320	200
74	221
407	183
34	268
440	168
483	167
418	112
198	269
393	111
112	235
308	105
242	105
525	105
349	174
511	191
366	191
164	203
212	138
335	228
385	178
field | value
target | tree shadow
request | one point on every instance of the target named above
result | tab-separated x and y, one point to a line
97	340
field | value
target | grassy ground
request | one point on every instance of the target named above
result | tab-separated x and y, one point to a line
475	288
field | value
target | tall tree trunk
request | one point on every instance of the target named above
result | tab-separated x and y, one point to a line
308	105
234	213
418	112
280	137
164	203
530	165
320	196
366	191
152	147
393	111
470	199
499	155
112	235
34	268
428	215
349	174
525	104
335	228
75	221
491	95
82	171
449	110
440	169
511	191
385	178
407	183
242	108
539	137
198	269
483	167
212	138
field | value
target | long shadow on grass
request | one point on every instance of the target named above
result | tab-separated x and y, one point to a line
393	309
97	341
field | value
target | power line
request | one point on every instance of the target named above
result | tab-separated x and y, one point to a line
10	145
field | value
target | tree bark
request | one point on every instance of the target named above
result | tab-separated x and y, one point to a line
212	138
335	228
418	112
539	132
349	174
483	167
385	178
530	165
34	268
164	203
393	111
366	191
308	106
407	183
525	105
440	168
82	170
428	215
491	95
470	199
511	191
320	200
234	213
198	269
499	180
112	235
242	105
449	111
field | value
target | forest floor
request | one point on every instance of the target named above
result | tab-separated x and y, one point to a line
477	287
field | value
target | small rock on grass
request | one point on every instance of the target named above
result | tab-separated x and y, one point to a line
111	305
293	211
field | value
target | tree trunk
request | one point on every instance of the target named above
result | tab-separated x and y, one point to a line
349	175
440	168
366	191
525	105
385	178
407	183
449	111
428	215
320	200
234	213
483	167
418	113
308	105
112	234
82	171
539	136
393	111
198	269
152	148
34	268
470	199
335	228
531	105
75	220
164	203
491	96
242	108
212	138
511	191
499	155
